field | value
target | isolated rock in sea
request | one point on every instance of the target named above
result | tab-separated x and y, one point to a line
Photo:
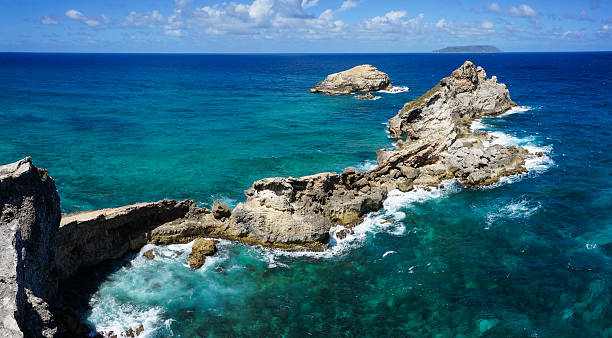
200	249
149	254
359	79
367	96
87	238
28	224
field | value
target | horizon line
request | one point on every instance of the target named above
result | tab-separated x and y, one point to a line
298	53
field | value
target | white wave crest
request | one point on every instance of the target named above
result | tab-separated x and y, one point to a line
516	110
539	160
366	165
395	90
515	210
109	315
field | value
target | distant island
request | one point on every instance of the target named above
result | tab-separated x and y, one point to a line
469	49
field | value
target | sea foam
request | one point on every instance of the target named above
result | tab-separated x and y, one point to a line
395	90
533	163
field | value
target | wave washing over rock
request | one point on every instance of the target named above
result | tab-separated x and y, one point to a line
438	149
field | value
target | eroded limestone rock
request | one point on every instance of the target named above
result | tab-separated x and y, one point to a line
200	249
30	216
87	238
359	79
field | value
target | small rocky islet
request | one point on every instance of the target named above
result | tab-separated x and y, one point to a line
42	248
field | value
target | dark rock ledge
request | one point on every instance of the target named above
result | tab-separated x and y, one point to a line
434	143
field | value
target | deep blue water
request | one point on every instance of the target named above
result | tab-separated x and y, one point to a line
530	257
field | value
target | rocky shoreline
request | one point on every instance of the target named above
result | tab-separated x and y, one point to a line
434	143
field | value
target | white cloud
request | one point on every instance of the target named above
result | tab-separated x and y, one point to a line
47	20
181	3
260	9
441	23
89	21
348	4
308	4
150	19
173	32
75	15
520	11
487	24
572	35
523	11
494	7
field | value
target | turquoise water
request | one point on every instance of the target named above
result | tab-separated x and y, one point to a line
528	257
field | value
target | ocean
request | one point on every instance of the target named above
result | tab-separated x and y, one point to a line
530	256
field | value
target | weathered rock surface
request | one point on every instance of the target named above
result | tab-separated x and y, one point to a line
439	142
91	237
297	213
359	79
367	96
28	224
200	249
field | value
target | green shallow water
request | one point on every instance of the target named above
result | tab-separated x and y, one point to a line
528	257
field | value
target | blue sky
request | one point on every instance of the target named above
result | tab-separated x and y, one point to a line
260	26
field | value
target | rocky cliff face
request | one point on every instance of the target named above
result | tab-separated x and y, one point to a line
91	237
28	223
360	79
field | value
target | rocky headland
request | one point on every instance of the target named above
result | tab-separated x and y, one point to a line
359	79
434	143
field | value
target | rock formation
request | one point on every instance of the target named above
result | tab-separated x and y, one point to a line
359	79
200	249
439	141
435	143
367	96
91	237
28	223
298	213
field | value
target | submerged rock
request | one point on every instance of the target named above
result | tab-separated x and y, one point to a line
29	219
200	249
359	79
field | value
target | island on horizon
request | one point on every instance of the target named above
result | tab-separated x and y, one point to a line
469	49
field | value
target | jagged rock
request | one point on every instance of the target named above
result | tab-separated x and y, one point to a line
359	79
29	219
139	330
439	141
149	254
367	96
296	213
200	249
220	210
91	237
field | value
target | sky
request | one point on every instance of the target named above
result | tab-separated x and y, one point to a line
302	26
